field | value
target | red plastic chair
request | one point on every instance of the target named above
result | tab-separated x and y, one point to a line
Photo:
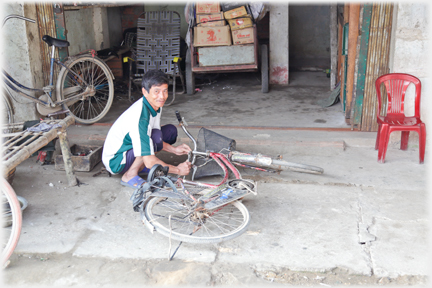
396	85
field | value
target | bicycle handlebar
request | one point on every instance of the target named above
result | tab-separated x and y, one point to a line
188	134
18	17
178	116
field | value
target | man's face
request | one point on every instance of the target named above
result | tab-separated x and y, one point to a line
157	95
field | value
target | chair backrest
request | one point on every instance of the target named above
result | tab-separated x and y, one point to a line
396	85
158	40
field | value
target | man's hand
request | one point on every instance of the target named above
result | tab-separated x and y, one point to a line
182	149
184	168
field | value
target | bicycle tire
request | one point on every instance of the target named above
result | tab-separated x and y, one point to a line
7	112
88	109
182	229
11	209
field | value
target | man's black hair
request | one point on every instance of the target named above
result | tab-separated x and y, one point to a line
154	78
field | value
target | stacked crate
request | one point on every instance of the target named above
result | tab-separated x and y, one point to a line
241	24
212	28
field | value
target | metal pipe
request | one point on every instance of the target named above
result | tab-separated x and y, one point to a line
18	17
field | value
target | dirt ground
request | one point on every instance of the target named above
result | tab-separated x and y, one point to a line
65	270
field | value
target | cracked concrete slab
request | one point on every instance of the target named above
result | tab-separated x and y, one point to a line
300	227
300	221
401	247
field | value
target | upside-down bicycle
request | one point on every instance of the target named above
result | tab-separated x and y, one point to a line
199	212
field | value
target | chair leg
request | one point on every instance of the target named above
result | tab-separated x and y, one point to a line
130	83
422	142
404	140
383	141
378	137
174	76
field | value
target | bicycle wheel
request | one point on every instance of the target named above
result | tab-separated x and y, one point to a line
7	113
12	221
92	77
172	218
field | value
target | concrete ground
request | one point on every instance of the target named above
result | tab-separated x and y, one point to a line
359	223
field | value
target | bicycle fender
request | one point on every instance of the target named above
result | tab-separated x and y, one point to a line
257	159
144	219
149	226
106	65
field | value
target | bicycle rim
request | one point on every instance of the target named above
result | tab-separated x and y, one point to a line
93	107
171	218
12	221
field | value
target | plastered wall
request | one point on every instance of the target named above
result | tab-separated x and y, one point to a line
15	57
410	53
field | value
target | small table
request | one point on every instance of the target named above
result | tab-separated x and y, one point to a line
19	146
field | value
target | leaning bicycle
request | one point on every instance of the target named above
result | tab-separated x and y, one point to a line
84	87
201	212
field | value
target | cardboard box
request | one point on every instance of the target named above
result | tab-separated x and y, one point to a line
209	20
243	36
92	155
240	23
212	36
207	7
231	5
235	13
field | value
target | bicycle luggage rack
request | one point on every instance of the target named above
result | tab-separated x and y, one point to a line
19	146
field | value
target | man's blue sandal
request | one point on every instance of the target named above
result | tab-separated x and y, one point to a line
134	183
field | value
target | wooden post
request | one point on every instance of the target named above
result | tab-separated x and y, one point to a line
362	63
353	33
333	45
60	26
340	39
343	57
64	145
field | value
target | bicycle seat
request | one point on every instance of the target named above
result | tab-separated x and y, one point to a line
54	41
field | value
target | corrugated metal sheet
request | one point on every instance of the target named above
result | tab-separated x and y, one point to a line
47	26
377	62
